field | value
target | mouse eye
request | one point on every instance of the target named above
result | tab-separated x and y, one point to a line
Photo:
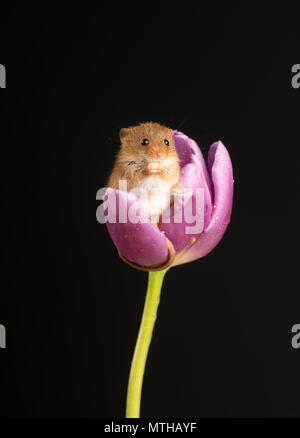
166	142
145	141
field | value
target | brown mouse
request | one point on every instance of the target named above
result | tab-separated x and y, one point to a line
149	163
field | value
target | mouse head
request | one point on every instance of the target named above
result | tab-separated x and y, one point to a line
150	144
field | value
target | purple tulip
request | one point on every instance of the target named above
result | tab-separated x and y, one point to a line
149	248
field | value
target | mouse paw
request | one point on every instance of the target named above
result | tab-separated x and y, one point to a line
177	189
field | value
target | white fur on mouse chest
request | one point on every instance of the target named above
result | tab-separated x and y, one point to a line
154	195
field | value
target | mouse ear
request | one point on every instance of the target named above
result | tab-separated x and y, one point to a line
123	133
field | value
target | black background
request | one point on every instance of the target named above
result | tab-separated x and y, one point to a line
71	307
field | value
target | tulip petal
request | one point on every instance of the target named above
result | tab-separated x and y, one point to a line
220	171
179	228
194	176
189	152
140	243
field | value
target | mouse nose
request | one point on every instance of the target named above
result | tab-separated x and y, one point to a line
157	155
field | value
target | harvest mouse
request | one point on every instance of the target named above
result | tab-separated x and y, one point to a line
149	163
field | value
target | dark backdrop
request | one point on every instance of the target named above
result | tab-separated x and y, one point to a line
71	307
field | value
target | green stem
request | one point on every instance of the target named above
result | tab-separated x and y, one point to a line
138	363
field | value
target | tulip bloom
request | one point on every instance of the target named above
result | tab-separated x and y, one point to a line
149	248
156	249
